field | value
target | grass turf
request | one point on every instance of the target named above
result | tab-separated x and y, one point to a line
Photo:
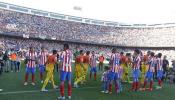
12	83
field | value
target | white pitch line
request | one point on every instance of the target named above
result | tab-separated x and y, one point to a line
33	91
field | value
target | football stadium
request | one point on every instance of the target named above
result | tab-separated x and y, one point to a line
83	50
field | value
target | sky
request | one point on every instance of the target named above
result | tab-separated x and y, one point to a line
123	11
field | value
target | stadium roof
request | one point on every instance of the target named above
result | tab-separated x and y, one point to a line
125	11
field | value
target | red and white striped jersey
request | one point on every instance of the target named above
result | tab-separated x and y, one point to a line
159	64
43	57
137	61
66	60
31	56
115	62
93	61
152	64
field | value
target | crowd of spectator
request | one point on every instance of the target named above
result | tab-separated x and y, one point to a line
15	23
24	44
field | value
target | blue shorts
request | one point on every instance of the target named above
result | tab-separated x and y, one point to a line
93	69
30	70
113	76
136	73
149	75
159	74
65	76
41	68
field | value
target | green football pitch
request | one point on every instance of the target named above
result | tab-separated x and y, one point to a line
12	84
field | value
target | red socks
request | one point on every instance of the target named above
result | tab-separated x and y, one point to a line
160	82
133	85
62	90
137	85
95	76
26	77
110	87
151	85
33	78
116	88
69	90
